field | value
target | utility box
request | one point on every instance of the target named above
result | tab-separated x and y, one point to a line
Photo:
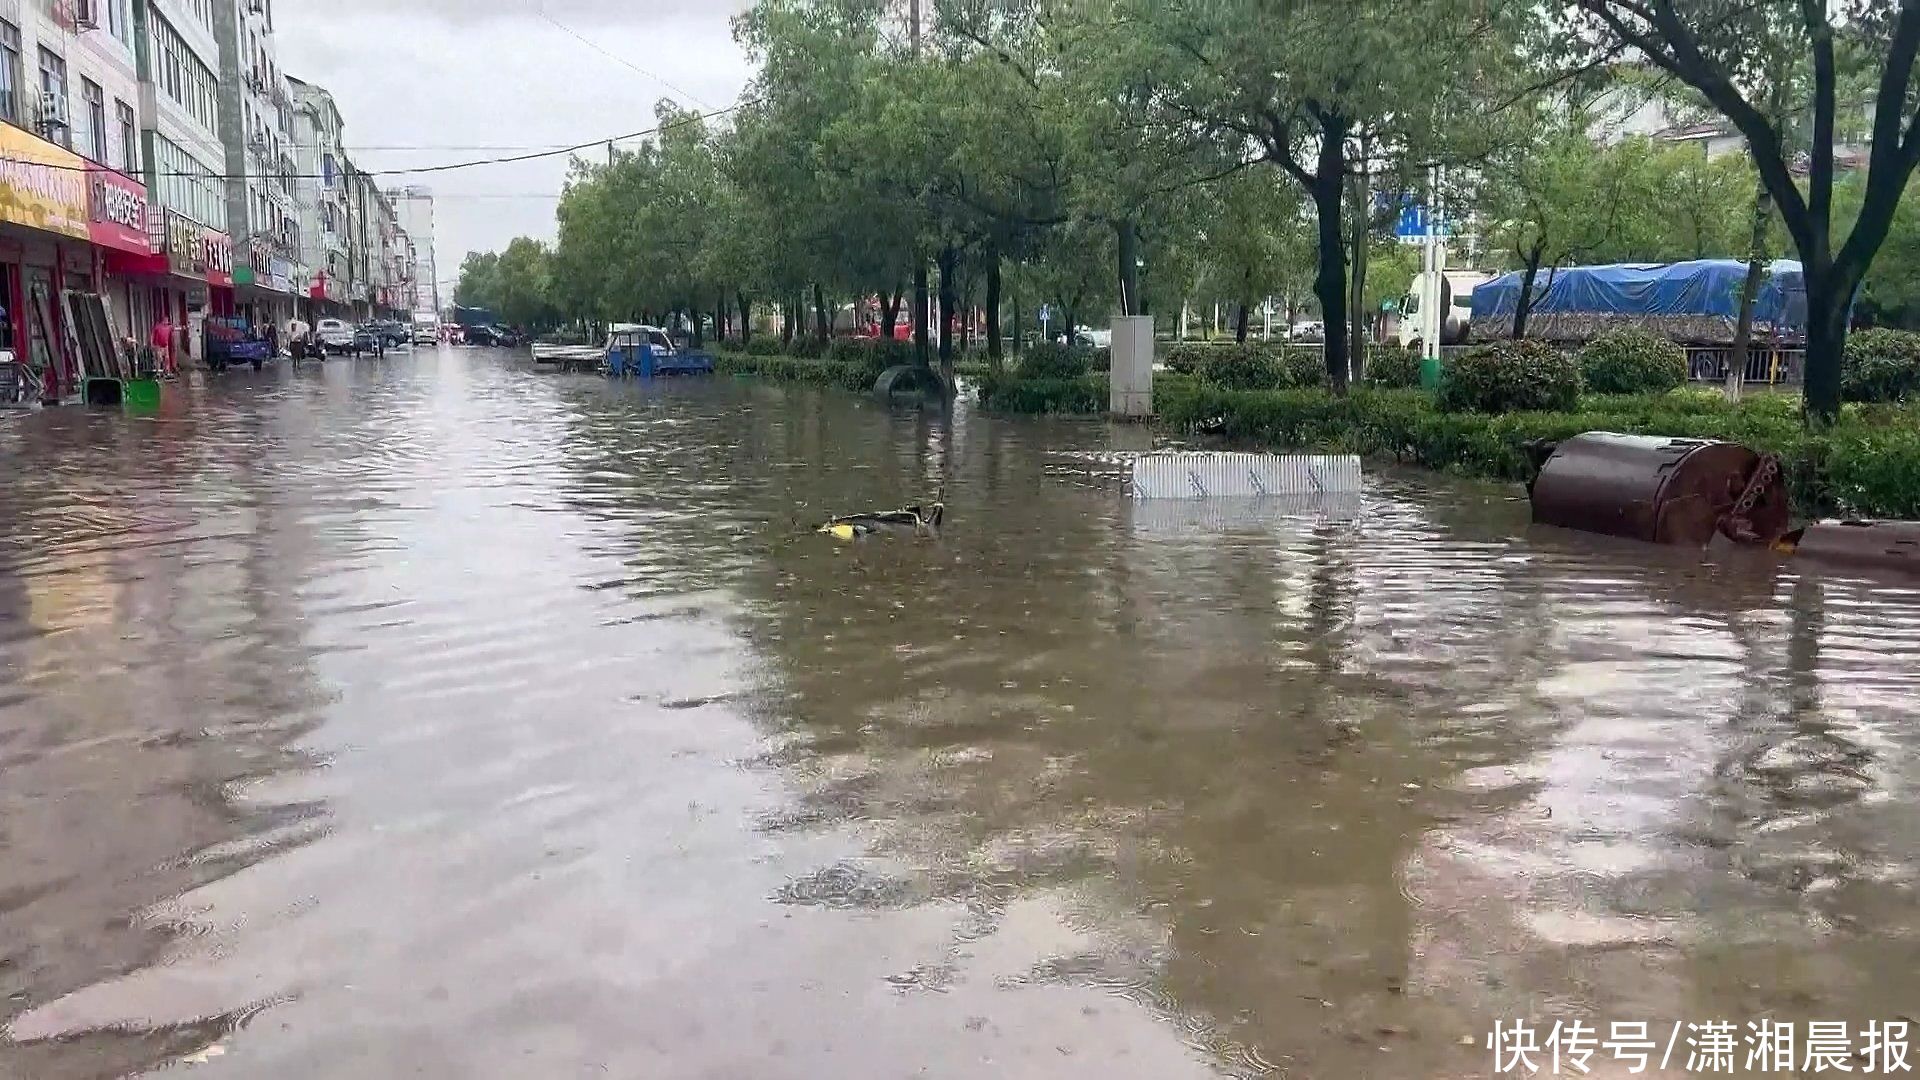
1131	378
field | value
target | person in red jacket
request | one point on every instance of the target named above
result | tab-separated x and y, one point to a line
163	346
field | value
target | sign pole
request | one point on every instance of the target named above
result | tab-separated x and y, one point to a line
1432	292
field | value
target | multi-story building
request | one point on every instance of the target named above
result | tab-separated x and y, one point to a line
69	203
256	131
414	207
320	196
185	161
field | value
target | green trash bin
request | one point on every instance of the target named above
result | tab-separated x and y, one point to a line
1430	373
141	394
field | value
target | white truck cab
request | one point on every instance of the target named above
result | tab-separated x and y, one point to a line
1454	292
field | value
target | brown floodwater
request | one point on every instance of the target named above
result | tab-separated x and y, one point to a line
437	717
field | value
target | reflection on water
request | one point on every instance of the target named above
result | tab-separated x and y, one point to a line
438	717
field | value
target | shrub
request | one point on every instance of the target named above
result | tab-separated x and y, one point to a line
1052	360
871	355
1875	471
1188	357
1300	367
1633	362
1881	365
764	345
1025	394
1510	376
806	347
1241	367
1393	366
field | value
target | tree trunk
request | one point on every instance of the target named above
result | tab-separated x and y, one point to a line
787	321
1240	320
1127	236
1330	281
995	352
947	260
1016	324
746	318
720	317
1522	307
889	313
1358	293
920	354
1826	339
1750	291
822	329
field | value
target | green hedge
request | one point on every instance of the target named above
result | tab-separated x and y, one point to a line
1869	464
1632	362
1052	360
793	369
1881	365
1392	366
1013	393
1510	376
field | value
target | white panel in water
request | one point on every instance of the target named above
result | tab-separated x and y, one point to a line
1191	475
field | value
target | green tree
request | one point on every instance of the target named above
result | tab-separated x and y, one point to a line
523	284
1329	92
478	286
1726	50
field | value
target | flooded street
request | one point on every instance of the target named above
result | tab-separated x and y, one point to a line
436	717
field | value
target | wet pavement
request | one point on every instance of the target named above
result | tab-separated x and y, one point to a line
437	717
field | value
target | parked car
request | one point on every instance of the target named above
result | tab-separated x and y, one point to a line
394	331
334	335
490	336
1309	330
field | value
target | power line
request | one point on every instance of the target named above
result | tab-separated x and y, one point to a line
541	10
423	169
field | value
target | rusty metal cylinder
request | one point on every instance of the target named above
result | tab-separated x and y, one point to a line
1880	545
1657	489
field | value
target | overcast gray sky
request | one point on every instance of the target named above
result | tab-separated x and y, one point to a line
423	82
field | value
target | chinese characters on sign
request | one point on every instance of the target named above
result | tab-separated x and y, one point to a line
1569	1047
193	250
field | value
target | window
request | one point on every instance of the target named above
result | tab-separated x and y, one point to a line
186	185
129	138
53	80
9	72
181	76
120	21
95	102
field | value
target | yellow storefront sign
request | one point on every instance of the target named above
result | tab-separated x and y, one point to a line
42	186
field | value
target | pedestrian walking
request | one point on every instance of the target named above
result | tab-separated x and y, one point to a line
297	343
273	339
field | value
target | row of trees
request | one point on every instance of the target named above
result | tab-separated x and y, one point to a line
1127	156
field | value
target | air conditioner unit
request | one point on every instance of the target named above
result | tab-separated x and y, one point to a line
53	110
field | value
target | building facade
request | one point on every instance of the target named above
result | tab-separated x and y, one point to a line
414	207
256	133
190	272
320	197
71	197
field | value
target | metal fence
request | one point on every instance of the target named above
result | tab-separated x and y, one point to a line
1765	366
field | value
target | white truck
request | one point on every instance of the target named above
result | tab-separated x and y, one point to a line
426	328
1452	290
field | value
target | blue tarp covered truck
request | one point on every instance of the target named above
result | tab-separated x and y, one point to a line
1694	303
